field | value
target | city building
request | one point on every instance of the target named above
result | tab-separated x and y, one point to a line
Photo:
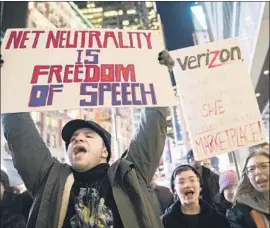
122	15
201	34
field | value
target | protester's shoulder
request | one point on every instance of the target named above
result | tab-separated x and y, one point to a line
213	174
239	216
167	218
63	167
59	169
238	210
210	209
172	209
163	188
217	218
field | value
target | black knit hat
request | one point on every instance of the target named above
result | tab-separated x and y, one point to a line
180	169
74	125
5	179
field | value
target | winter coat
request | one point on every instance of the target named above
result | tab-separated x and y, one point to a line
248	211
164	196
210	185
14	209
208	218
221	204
50	181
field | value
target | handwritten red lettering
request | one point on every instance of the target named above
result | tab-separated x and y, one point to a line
39	70
232	138
211	109
14	39
68	70
17	39
55	71
85	73
96	39
37	35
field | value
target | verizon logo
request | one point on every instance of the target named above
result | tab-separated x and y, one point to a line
210	59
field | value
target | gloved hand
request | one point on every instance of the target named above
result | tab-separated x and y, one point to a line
164	58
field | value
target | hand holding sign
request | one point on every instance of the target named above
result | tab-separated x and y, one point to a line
164	58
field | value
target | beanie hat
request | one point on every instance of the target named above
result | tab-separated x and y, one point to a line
227	178
5	180
74	125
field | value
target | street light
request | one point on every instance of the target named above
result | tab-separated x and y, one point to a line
266	72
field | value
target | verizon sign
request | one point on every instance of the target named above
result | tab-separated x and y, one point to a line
210	59
217	97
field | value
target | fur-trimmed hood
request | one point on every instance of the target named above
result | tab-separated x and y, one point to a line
254	200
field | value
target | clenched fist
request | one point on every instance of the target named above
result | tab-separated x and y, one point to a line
164	58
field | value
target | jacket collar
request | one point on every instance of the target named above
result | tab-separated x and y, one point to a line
254	201
125	167
206	209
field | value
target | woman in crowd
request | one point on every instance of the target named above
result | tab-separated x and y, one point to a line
227	185
252	196
14	208
189	211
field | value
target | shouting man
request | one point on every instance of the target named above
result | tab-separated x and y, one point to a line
89	193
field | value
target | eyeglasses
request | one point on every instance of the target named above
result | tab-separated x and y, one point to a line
182	182
263	167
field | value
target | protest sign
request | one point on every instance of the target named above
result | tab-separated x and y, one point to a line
218	98
68	69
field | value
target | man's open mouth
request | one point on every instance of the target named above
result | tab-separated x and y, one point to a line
79	149
262	181
189	193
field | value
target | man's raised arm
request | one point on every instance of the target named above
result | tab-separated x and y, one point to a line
31	157
147	145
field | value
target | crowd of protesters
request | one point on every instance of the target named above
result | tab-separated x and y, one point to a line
91	193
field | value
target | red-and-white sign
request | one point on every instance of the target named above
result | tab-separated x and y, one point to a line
218	98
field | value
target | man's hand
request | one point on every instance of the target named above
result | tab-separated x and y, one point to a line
164	58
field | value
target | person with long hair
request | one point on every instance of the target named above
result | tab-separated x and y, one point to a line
251	209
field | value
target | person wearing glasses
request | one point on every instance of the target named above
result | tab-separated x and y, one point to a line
251	209
189	211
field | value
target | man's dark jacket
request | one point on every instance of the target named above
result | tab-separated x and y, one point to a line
14	209
210	185
208	218
164	196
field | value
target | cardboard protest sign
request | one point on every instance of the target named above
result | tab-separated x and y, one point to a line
69	69
218	98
